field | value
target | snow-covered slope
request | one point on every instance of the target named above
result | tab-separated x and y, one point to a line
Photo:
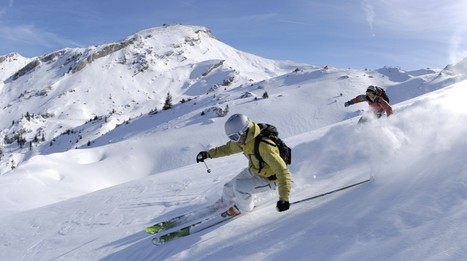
414	209
106	167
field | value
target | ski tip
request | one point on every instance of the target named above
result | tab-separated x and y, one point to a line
152	230
156	241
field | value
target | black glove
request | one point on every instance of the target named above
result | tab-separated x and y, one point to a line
202	156
282	205
348	103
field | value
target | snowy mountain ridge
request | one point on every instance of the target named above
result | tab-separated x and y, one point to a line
70	98
66	89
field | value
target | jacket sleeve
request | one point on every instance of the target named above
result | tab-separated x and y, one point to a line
225	150
386	106
359	98
271	156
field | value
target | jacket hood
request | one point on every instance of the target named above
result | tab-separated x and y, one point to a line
253	131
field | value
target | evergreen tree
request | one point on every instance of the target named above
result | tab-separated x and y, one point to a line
21	141
168	102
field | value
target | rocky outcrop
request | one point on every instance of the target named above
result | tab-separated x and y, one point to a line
104	51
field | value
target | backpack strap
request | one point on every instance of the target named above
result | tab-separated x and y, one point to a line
258	139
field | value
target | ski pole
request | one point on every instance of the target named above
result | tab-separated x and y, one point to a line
207	168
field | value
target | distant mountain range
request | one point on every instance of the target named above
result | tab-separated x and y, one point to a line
73	97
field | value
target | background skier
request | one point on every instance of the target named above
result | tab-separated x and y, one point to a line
376	98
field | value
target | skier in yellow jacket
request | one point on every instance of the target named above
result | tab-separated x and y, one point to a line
239	191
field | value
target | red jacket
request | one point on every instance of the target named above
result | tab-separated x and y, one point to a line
379	106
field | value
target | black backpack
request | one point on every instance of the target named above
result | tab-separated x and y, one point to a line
381	92
270	131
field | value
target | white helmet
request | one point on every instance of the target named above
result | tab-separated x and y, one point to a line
235	126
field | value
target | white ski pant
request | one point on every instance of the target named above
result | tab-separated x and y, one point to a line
241	188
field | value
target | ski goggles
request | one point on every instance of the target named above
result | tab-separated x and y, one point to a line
236	136
370	94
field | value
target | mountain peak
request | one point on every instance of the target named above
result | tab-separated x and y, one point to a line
173	30
11	57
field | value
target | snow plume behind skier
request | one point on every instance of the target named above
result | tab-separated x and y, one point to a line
377	100
240	191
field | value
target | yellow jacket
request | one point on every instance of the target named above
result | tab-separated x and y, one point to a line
275	165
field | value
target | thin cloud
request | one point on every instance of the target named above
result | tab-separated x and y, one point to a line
458	47
4	10
370	15
416	15
29	34
293	22
252	18
431	20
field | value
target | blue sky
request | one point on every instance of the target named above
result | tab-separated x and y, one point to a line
411	34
